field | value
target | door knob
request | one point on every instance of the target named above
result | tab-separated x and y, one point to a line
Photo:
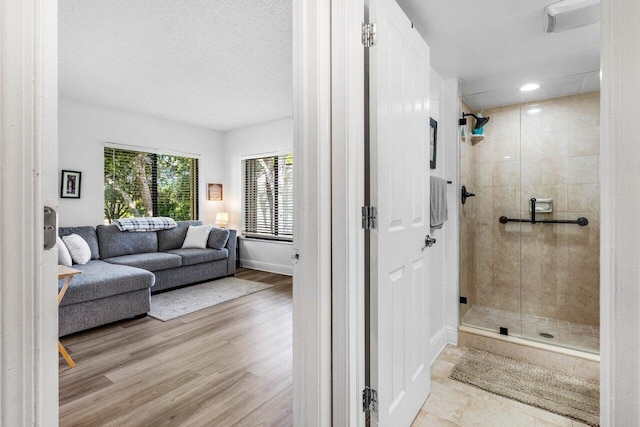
428	242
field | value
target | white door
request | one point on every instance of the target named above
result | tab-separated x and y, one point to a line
399	139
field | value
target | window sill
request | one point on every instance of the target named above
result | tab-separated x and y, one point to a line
265	239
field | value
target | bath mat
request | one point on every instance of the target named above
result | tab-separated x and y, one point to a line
562	394
172	304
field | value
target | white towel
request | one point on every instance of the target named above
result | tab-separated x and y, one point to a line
439	213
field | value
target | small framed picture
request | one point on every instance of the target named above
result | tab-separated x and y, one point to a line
214	192
433	142
70	185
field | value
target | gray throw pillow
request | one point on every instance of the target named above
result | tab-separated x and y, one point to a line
218	238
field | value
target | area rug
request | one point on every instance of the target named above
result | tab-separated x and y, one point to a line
553	391
172	304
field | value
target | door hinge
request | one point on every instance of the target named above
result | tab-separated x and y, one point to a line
369	217
368	34
369	400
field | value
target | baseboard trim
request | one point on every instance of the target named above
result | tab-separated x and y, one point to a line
287	270
444	336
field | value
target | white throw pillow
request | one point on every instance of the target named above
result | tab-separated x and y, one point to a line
64	257
78	248
197	236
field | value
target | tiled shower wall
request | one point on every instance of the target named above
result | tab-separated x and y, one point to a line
543	149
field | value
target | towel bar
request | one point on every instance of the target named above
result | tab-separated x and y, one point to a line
580	221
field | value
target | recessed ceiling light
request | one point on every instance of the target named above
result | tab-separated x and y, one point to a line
535	110
529	86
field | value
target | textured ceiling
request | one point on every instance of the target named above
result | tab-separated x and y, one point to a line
498	44
226	64
220	64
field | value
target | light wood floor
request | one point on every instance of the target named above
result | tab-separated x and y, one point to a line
230	364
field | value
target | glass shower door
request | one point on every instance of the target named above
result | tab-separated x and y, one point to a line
489	250
559	182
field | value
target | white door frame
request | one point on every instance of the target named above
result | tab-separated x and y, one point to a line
620	229
347	170
312	213
28	182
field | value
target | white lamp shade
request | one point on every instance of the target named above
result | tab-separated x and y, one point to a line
222	217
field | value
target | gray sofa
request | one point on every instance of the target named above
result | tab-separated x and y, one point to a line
126	267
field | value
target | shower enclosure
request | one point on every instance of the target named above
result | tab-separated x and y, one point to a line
529	239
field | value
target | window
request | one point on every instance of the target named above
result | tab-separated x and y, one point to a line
148	184
268	197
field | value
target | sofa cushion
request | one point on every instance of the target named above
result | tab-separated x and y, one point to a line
218	238
100	279
152	261
197	237
198	256
88	233
78	249
114	243
64	257
174	237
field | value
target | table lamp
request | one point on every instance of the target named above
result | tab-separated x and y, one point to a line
222	219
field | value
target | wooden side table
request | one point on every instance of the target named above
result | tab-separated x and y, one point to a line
66	273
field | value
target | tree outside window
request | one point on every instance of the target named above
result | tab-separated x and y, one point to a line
268	197
140	184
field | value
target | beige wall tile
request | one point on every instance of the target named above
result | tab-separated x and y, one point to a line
506	146
484	175
554	143
582	170
506	173
584	141
505	198
583	198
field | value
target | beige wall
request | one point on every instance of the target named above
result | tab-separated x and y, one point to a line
543	149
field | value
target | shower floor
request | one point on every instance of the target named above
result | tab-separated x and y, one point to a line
565	333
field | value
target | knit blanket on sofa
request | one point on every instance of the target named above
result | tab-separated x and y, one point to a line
145	223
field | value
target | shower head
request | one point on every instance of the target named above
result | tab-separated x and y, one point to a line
480	121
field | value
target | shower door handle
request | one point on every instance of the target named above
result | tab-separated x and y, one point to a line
428	242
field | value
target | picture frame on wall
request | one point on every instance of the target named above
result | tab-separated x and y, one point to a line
433	142
214	192
70	184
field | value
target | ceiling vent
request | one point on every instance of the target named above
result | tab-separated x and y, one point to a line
568	14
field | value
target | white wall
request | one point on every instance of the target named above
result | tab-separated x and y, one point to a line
83	128
253	141
443	255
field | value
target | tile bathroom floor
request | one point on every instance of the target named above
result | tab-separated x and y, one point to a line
452	403
565	333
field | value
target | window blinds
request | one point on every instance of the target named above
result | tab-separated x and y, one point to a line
149	184
268	197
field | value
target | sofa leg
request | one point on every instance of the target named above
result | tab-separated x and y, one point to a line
140	316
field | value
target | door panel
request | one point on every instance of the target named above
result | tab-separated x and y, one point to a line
399	117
